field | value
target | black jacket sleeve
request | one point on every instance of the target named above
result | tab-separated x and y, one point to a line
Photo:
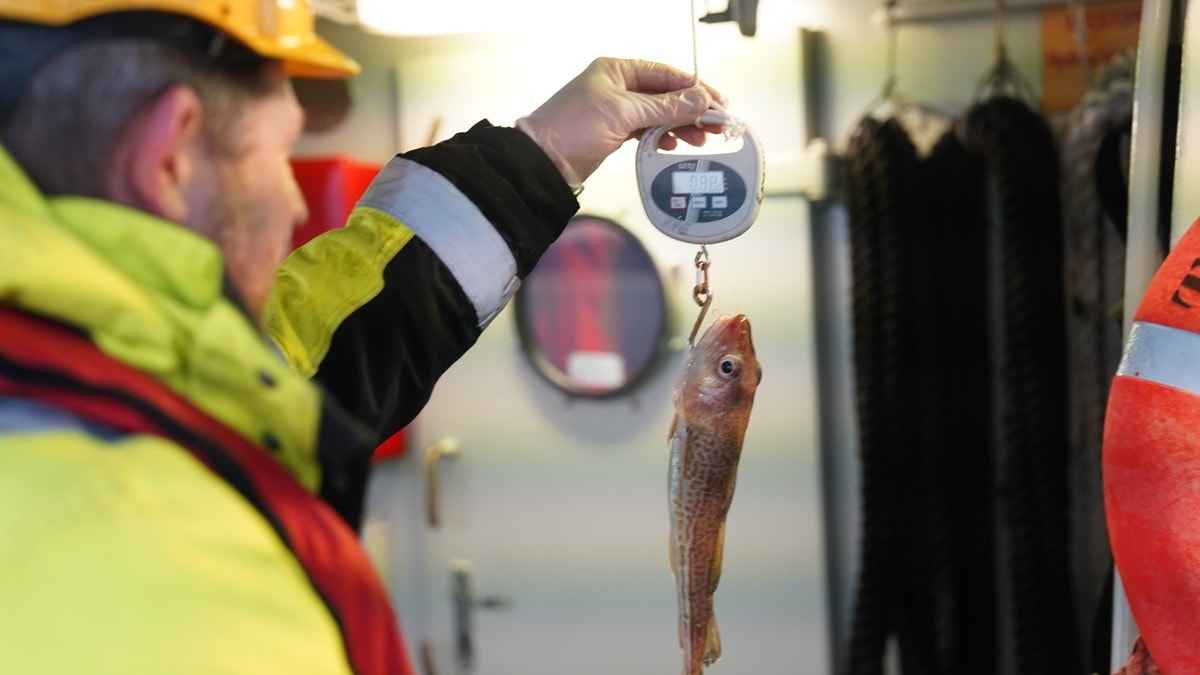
386	355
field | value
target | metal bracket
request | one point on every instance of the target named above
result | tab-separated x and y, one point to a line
744	12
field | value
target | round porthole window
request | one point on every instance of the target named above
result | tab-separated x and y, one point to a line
593	314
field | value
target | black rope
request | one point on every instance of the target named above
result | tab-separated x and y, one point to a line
1023	192
894	598
871	623
960	373
922	629
964	403
876	577
1095	198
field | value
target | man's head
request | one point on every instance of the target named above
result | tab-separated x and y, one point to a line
190	119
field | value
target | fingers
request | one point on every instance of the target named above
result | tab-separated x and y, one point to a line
667	96
612	101
692	135
650	77
677	110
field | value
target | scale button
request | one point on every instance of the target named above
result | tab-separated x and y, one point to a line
720	202
699	202
679	202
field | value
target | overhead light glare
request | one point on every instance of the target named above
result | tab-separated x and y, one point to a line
434	17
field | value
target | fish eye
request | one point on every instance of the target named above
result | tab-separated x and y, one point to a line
729	366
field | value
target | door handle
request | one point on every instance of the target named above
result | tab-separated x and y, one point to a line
428	662
465	604
447	447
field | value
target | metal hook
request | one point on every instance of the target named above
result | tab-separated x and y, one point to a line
889	85
699	320
702	294
1001	27
701	291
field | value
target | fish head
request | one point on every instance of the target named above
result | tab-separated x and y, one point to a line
719	377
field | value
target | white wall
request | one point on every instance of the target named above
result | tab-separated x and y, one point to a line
566	499
776	553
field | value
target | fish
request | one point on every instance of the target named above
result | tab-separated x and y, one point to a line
713	393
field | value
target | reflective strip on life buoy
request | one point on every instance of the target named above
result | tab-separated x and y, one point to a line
1151	462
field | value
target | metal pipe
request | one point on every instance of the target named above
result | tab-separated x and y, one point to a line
1141	250
929	12
1185	203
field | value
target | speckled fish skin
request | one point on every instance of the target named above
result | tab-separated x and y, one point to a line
713	394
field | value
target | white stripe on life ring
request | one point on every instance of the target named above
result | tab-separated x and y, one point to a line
1162	354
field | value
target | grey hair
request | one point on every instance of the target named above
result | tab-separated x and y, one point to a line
80	103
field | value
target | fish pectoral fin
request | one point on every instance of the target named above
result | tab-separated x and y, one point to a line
712	642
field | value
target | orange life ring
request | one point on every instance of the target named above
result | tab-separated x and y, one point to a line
1151	462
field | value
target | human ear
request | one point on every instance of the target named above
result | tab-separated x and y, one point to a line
157	157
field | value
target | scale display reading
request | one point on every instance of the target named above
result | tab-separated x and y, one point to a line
698	182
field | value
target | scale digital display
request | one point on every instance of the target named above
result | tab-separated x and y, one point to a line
698	182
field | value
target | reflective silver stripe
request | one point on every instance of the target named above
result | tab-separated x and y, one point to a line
450	224
1162	354
26	416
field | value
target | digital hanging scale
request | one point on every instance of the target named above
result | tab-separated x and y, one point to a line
702	198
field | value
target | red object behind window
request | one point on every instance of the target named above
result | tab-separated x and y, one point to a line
331	187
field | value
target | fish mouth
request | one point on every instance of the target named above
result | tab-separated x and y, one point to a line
734	330
732	333
735	326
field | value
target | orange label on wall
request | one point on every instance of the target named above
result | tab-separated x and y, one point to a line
1112	28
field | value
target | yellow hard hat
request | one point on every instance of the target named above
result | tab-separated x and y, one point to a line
275	29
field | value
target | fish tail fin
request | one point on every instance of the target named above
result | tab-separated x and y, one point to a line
712	642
